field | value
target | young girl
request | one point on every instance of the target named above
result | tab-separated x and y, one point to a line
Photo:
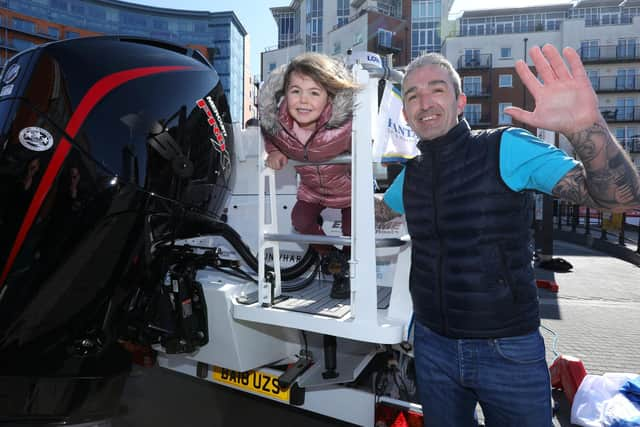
305	114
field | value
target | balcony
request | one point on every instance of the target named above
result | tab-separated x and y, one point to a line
609	53
616	84
614	114
475	62
478	120
631	144
386	48
8	25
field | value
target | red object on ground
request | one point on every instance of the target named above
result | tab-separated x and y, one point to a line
547	284
567	373
142	355
389	416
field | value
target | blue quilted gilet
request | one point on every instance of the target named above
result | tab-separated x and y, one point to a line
471	272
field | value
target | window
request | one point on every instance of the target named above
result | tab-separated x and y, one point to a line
97	13
77	9
505	52
53	32
357	38
389	7
22	44
626	48
503	119
272	66
610	17
504	24
626	79
472	57
475	27
589	49
472	85
594	77
629	137
287	30
625	109
343	12
473	113
314	25
591	17
160	25
72	34
337	47
59	4
425	9
505	80
22	25
425	37
384	37
553	24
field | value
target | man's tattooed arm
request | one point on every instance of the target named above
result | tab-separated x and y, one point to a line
383	212
607	179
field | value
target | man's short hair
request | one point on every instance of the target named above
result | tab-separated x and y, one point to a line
433	58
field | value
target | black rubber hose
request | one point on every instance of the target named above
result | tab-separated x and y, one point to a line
194	225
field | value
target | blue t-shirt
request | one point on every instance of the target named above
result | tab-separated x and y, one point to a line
526	163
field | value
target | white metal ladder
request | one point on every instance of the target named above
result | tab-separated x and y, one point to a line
365	322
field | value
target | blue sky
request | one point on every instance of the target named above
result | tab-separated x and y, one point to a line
256	17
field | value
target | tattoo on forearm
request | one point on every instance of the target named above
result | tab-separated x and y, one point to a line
607	180
383	213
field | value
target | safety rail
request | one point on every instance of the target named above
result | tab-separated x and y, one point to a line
364	321
624	229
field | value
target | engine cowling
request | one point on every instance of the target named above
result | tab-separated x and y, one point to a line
105	143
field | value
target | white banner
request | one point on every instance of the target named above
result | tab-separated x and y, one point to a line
394	140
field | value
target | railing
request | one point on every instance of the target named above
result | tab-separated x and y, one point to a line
353	17
5	45
621	114
362	12
616	83
481	60
489	30
631	144
623	230
6	24
609	53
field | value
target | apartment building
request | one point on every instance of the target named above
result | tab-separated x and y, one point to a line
403	29
485	44
219	36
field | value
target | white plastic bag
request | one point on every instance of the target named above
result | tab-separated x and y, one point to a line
598	402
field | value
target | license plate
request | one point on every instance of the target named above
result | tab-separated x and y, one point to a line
253	381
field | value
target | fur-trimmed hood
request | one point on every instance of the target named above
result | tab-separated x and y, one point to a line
272	93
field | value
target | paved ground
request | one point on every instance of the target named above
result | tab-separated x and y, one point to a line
595	313
595	316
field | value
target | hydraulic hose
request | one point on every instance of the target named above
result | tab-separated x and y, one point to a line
195	224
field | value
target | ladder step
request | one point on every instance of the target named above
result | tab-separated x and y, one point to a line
342	158
387	242
308	238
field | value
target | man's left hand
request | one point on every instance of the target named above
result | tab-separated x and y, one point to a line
564	99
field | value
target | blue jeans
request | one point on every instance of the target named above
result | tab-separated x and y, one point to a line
509	377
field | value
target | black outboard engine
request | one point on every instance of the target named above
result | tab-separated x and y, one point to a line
107	146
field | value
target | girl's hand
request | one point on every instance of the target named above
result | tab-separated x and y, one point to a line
276	160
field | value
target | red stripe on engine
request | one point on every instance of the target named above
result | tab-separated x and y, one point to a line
94	95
